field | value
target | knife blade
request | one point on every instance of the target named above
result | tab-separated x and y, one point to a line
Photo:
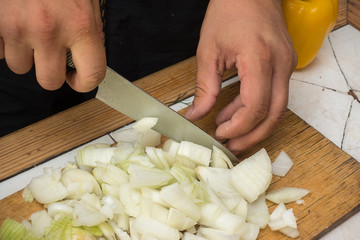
125	97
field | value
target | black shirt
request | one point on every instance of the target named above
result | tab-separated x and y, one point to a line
141	37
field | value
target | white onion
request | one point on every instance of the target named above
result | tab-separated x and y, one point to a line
282	164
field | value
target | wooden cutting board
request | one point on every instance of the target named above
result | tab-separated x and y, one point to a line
332	176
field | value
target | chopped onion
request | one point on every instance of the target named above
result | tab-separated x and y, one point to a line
252	176
282	164
197	153
141	176
218	179
190	236
175	196
216	234
136	191
153	228
258	212
220	159
286	194
47	188
284	221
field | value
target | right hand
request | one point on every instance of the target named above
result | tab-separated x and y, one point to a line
41	32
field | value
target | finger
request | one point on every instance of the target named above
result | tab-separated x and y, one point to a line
208	86
19	56
245	112
90	63
98	20
88	53
50	67
2	53
277	112
264	129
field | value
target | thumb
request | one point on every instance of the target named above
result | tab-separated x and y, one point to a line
208	86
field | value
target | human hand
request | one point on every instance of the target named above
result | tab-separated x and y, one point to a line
42	32
252	36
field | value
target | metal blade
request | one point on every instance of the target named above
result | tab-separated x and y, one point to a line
130	100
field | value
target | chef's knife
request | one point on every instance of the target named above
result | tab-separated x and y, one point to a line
132	101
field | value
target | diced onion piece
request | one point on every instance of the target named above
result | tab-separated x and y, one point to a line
258	212
78	182
175	196
151	138
252	176
27	194
250	232
125	135
241	208
130	198
148	226
219	159
59	208
39	222
190	236
290	232
284	221
154	210
157	158
59	229
142	176
218	179
286	194
145	124
85	216
12	230
179	220
214	216
47	188
300	202
91	154
79	234
154	195
282	164
216	234
197	153
110	174
170	146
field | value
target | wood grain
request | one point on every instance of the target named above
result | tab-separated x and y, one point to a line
354	13
332	176
342	18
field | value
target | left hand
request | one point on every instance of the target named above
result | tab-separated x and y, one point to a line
251	35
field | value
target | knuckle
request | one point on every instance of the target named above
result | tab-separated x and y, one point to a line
280	115
84	25
13	29
44	26
96	78
260	111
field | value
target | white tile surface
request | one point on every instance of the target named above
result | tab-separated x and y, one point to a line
349	230
346	44
351	142
326	110
323	71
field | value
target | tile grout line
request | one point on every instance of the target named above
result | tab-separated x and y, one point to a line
337	62
317	85
346	124
349	93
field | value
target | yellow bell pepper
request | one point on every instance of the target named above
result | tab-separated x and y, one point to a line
308	23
